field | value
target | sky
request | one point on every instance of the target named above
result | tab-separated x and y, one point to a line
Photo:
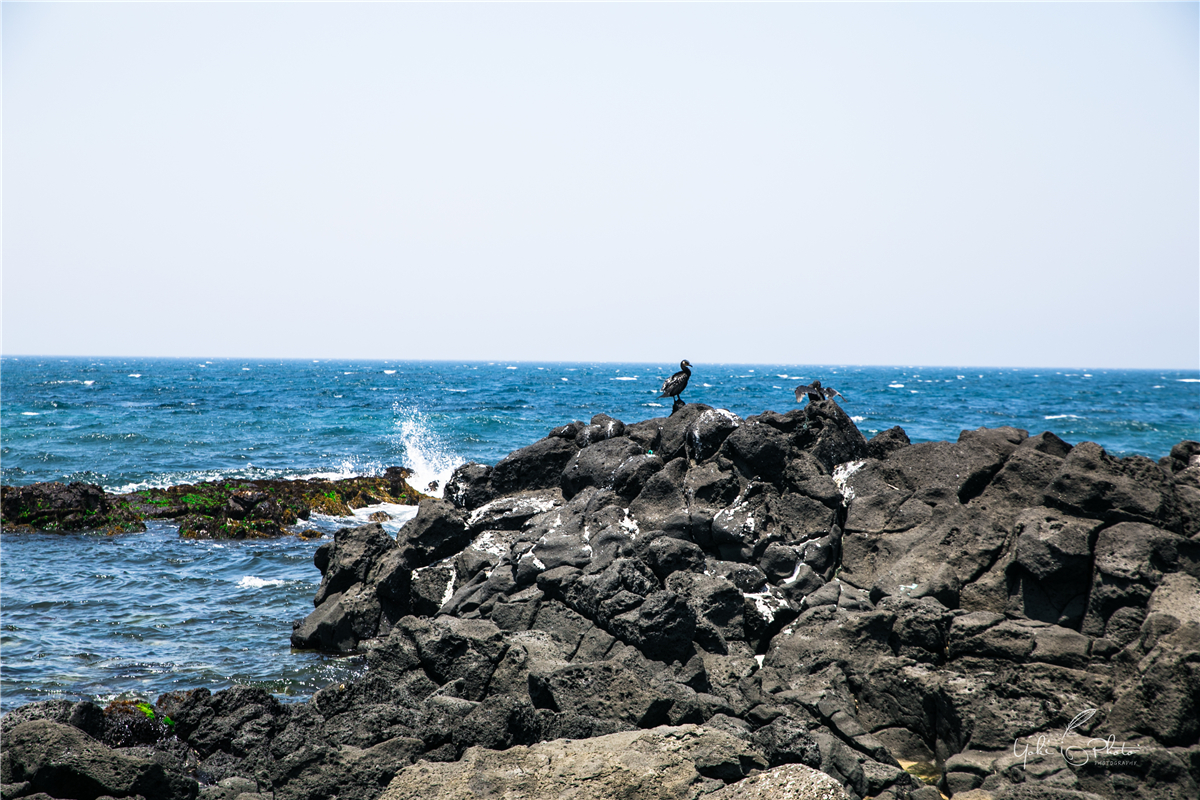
955	184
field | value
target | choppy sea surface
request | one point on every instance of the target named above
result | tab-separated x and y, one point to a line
133	616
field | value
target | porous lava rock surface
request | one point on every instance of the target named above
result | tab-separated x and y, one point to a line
707	606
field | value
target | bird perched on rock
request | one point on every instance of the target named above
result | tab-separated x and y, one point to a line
817	392
674	385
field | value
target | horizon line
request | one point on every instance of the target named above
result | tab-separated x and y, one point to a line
311	359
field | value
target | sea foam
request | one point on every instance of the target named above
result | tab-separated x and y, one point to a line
425	453
251	582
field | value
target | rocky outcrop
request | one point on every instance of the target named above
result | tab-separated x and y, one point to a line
60	760
660	764
55	506
230	509
704	605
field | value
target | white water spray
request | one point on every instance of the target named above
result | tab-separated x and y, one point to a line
425	453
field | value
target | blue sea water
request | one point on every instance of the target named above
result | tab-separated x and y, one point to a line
92	616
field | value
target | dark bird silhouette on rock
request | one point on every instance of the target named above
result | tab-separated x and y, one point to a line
817	392
674	385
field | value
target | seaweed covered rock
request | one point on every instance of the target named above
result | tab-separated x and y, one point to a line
229	509
56	506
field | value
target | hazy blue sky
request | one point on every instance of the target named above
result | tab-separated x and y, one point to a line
936	184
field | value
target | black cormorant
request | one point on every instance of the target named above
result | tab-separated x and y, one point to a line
816	392
674	385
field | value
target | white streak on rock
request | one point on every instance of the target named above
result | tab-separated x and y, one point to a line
795	574
841	474
450	585
630	525
492	543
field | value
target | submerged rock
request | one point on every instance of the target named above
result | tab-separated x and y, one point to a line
230	509
65	507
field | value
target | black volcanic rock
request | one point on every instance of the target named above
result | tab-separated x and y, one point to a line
633	473
708	432
884	443
437	531
602	427
598	464
538	466
64	507
62	761
674	430
757	450
793	590
829	435
1130	561
469	486
1093	483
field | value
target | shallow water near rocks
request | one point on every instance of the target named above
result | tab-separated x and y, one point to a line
89	615
92	616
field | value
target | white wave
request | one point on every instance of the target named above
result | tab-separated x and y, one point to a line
624	378
245	369
88	383
399	514
135	374
858	419
1061	416
895	385
1189	380
251	582
562	379
389	372
706	385
348	468
510	367
653	405
30	414
425	453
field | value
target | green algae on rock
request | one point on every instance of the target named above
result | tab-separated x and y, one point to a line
227	509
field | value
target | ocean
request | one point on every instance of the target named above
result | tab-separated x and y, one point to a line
89	616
